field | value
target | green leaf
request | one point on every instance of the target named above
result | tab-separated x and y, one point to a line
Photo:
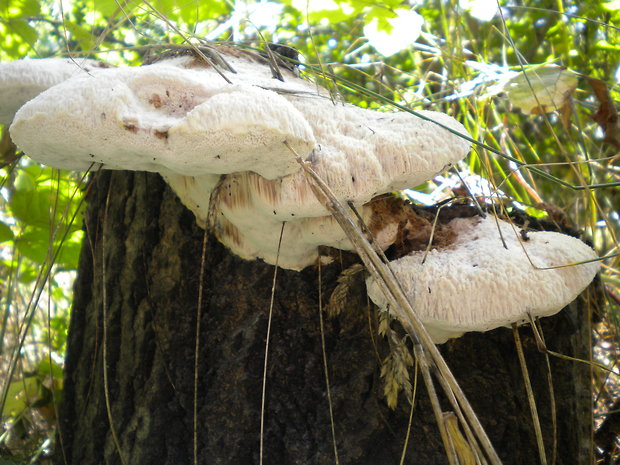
82	35
34	244
202	11
21	28
105	7
69	254
28	273
6	234
19	8
32	207
45	369
25	181
35	207
21	394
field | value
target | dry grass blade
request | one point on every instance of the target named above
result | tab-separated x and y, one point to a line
420	356
397	300
265	364
104	342
326	368
530	396
458	442
197	342
192	46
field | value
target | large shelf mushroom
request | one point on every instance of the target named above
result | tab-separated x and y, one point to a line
181	118
223	138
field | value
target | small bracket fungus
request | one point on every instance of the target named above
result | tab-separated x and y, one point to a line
477	284
181	118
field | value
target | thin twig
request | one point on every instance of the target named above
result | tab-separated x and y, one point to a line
530	396
264	389
325	367
197	340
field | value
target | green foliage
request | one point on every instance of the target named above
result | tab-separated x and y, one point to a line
49	215
470	68
17	36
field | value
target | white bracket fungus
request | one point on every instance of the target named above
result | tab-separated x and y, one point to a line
181	118
223	140
478	284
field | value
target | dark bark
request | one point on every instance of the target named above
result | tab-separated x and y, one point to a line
151	249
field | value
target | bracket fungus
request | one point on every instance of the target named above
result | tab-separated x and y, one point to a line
224	130
491	276
224	139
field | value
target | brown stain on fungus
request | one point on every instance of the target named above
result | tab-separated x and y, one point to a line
130	126
225	229
242	187
155	100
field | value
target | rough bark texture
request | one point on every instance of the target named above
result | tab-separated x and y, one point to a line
136	300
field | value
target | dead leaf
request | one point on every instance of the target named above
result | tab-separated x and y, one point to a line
606	115
541	88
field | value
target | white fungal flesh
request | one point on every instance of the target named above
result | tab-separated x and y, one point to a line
21	81
164	119
477	284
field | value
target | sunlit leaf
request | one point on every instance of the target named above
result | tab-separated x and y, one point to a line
19	8
25	181
45	368
34	244
82	35
612	6
32	207
541	89
69	254
21	28
21	394
105	7
390	35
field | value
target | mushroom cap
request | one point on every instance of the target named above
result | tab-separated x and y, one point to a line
476	284
165	119
361	154
21	81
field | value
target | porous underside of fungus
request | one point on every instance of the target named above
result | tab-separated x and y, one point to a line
227	146
21	81
491	276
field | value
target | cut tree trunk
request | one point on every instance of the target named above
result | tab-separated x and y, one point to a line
136	304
